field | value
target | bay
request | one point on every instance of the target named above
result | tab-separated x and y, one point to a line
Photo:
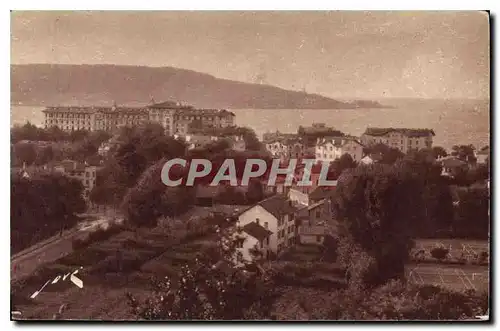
454	121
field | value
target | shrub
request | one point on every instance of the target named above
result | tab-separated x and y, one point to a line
98	235
104	233
483	257
131	244
83	257
78	244
439	253
119	262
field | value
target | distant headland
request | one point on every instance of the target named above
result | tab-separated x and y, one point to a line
57	84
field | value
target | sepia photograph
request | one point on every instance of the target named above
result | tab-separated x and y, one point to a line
250	165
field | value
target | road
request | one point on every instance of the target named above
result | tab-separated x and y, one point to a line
27	261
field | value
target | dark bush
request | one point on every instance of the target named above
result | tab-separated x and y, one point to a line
119	262
439	253
483	257
78	244
86	257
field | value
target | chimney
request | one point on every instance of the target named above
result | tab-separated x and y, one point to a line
114	105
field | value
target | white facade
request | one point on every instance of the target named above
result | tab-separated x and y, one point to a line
330	149
251	243
283	230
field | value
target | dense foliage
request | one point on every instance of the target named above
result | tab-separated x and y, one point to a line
216	286
140	148
399	301
150	199
37	146
376	207
42	206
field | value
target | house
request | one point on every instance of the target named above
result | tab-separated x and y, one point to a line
452	166
84	173
275	214
313	176
329	149
253	241
483	155
237	143
314	222
314	218
107	147
287	146
196	140
206	195
371	158
403	139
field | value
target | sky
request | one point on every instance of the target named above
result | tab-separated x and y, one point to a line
338	54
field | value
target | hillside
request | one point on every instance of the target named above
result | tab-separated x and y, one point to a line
47	84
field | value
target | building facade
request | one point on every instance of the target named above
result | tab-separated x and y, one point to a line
253	238
85	174
288	148
399	138
275	214
173	117
329	149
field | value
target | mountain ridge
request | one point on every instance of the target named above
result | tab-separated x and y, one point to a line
103	84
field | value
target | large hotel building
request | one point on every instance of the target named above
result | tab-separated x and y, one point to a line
401	138
175	118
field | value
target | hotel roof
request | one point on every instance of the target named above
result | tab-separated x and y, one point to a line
404	131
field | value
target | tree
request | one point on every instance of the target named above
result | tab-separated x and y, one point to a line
25	153
464	153
478	174
252	143
472	214
399	301
150	198
388	154
255	191
439	152
339	165
44	155
43	205
376	206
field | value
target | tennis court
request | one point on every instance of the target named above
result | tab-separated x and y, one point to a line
456	278
457	248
